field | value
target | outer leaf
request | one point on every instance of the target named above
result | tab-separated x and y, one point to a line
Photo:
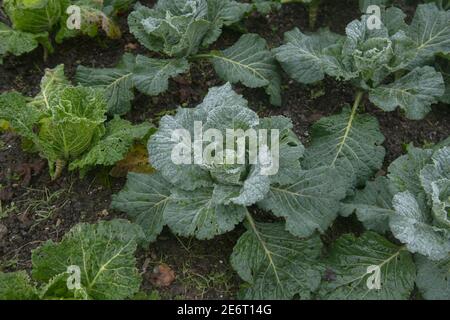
151	76
433	278
349	260
291	149
441	203
16	42
276	264
34	16
266	6
22	117
144	198
248	61
404	172
16	286
116	82
414	93
104	252
198	213
348	142
438	170
56	289
114	145
373	205
303	57
310	203
52	83
223	12
430	30
412	226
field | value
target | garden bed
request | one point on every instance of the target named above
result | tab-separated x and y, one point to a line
35	209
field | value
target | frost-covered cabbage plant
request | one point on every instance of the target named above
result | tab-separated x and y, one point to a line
412	203
279	260
179	30
393	63
67	124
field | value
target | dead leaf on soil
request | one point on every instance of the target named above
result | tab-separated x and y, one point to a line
26	170
135	161
6	194
131	46
162	276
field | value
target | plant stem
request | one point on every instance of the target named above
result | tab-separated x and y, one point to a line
357	102
59	166
201	56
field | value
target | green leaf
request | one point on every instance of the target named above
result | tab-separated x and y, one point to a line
223	12
291	149
349	142
117	83
113	146
310	203
16	42
57	289
372	205
430	30
250	62
433	278
349	261
266	6
303	57
404	172
52	83
412	226
21	117
104	253
439	169
199	213
151	76
16	286
276	264
144	198
414	93
34	16
441	203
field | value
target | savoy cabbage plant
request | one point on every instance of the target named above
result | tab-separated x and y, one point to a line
393	63
104	255
179	30
67	124
32	22
279	260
